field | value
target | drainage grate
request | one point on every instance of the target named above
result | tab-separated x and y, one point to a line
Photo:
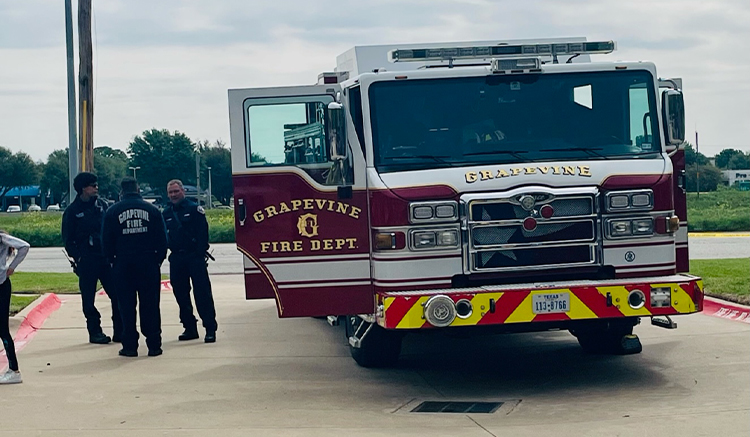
457	407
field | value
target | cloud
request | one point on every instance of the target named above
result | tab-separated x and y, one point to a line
168	64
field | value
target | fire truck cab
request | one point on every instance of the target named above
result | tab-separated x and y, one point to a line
507	186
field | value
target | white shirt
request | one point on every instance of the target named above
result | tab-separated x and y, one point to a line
22	248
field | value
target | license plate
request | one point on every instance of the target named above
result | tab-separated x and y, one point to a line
549	303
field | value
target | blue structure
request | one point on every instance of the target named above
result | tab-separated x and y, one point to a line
23	196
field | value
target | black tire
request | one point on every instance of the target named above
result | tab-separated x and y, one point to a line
379	348
611	338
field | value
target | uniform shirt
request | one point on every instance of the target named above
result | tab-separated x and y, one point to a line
187	227
82	227
11	262
133	227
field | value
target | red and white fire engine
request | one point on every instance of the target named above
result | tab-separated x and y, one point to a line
508	186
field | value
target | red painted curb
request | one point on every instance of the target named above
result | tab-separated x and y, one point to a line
726	310
32	323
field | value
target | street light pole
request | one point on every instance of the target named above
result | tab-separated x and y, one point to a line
210	192
72	140
134	169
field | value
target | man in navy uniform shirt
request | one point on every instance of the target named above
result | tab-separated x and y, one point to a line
188	241
81	229
134	240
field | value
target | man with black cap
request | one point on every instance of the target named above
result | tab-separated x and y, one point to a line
134	239
81	232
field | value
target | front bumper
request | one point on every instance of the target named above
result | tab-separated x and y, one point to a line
507	304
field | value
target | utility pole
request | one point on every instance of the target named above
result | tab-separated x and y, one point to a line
210	192
72	140
86	85
198	176
697	169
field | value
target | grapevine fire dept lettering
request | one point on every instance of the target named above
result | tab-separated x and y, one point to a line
308	226
133	219
562	170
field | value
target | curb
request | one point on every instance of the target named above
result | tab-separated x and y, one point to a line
33	319
726	310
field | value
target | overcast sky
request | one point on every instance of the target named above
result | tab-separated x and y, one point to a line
167	64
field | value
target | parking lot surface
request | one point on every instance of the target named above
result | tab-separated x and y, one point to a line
294	377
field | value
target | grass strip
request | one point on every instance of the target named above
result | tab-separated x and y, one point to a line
17	303
727	279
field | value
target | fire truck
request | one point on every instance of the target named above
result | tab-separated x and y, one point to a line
474	187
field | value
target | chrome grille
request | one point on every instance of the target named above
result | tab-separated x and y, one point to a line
516	234
493	210
498	240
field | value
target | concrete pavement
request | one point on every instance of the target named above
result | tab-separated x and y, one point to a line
294	377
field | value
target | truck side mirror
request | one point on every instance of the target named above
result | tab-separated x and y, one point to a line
336	130
673	111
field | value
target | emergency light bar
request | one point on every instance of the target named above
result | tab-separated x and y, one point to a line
484	52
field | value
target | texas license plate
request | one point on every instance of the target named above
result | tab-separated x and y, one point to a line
549	303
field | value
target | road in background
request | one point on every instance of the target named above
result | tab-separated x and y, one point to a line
52	259
229	259
713	247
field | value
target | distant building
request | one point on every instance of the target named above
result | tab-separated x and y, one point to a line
23	197
742	177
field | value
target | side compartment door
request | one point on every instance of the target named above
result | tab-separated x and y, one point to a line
300	201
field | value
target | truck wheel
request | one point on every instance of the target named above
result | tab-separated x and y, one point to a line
379	348
612	338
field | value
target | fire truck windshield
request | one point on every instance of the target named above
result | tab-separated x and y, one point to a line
433	123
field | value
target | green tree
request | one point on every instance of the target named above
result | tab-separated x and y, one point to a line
218	157
110	166
111	153
55	175
161	156
16	170
691	157
739	162
710	178
725	156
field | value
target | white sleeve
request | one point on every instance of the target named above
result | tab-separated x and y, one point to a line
22	248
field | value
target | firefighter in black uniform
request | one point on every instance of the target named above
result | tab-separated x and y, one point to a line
188	241
81	229
134	239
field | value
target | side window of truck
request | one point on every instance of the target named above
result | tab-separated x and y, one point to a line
355	109
293	134
640	118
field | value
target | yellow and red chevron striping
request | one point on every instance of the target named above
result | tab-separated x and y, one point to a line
406	310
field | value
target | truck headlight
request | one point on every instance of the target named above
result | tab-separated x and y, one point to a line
447	238
643	227
619	201
422	212
445	211
434	239
619	228
441	211
423	239
637	200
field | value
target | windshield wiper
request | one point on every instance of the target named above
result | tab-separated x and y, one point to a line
592	151
438	159
514	153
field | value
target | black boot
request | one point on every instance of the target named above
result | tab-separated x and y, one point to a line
99	338
188	334
210	337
